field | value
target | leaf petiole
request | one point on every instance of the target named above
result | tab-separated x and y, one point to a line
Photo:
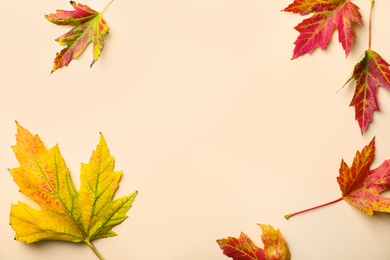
299	212
369	25
107	6
89	243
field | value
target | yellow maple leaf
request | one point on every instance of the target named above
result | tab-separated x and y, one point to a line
65	214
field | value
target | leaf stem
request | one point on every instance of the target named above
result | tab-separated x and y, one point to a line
107	6
369	24
89	243
299	212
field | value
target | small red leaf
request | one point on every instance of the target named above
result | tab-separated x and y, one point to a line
242	248
372	71
88	26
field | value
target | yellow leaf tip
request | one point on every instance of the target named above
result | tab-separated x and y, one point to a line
18	126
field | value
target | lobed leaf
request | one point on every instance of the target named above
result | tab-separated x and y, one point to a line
360	186
243	248
275	247
372	71
328	15
65	214
88	26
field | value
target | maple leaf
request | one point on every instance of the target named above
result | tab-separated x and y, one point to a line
88	26
328	15
65	214
243	248
372	71
360	186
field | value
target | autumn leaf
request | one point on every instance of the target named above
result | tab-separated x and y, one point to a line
372	71
360	186
242	248
65	214
328	15
88	26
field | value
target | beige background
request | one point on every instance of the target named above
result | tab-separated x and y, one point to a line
208	118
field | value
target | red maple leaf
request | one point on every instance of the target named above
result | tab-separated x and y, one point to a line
372	71
360	186
243	248
328	15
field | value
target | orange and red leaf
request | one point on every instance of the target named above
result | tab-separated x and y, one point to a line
243	248
360	186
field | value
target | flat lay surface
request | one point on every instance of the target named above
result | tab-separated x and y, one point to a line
208	117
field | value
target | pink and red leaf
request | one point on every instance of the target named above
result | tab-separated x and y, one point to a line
328	16
88	26
372	71
241	248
